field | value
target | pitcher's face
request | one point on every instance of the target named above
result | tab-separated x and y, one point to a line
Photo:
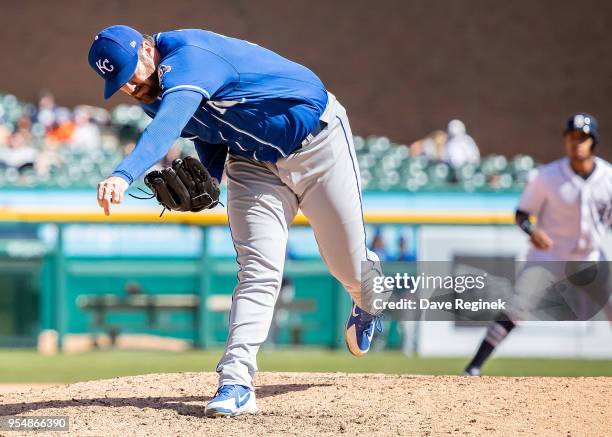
144	84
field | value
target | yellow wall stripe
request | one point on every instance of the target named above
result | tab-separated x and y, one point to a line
220	217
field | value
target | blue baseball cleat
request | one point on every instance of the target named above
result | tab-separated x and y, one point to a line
231	400
360	328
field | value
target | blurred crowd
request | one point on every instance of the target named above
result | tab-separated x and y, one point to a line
47	145
36	141
455	146
443	160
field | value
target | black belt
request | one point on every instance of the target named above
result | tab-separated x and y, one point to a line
313	133
317	130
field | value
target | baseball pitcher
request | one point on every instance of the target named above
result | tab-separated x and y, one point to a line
284	143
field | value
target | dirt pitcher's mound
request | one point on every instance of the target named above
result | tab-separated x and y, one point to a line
329	404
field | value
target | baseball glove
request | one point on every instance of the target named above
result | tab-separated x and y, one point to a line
186	186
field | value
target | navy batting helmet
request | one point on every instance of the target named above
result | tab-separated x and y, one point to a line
584	122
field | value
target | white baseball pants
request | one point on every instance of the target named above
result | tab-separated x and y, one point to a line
321	179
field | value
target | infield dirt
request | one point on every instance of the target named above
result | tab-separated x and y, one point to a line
328	404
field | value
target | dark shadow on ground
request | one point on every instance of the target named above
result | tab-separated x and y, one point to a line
183	405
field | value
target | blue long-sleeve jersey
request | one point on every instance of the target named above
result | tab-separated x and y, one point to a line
228	95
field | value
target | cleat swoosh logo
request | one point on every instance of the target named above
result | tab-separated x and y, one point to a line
354	313
242	399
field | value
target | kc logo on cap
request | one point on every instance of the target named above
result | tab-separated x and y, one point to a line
104	65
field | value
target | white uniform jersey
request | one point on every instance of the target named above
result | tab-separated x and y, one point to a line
575	213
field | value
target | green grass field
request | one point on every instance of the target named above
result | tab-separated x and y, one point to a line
19	365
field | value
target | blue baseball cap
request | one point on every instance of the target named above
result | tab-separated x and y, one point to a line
114	56
584	122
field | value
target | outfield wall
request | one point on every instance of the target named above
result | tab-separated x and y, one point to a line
76	251
591	339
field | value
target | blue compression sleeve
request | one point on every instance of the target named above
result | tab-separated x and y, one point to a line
156	140
212	156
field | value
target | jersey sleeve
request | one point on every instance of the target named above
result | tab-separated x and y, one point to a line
196	69
534	196
159	136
